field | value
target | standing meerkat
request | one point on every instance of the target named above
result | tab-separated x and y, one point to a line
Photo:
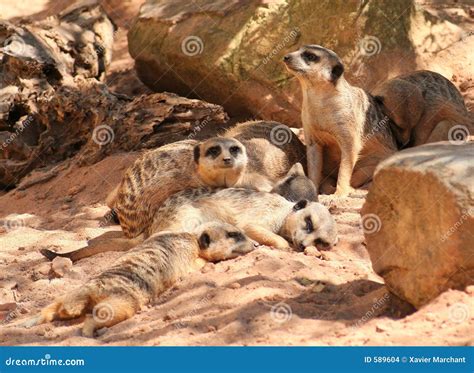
349	129
342	123
244	157
267	218
142	274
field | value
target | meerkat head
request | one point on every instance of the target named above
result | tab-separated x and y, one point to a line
310	224
315	64
220	161
295	185
221	241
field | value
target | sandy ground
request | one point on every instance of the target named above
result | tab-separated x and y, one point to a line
267	297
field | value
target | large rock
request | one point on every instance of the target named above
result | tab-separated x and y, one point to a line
418	220
230	52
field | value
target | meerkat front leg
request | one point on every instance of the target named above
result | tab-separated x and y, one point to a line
266	237
314	154
348	160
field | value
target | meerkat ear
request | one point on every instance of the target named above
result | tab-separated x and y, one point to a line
296	170
197	153
300	205
336	72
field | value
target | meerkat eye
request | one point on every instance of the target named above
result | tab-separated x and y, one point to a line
237	236
213	151
310	57
204	241
309	224
235	150
300	205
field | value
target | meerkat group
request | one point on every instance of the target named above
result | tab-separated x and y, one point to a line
198	200
348	130
190	201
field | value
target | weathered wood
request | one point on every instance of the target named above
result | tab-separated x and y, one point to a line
54	106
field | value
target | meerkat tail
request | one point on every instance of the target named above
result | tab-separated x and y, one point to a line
112	197
102	246
67	307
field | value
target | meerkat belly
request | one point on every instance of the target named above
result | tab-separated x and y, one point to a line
242	207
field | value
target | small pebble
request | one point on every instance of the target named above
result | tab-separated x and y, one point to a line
234	285
60	266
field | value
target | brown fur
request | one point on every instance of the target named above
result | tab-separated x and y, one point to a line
342	123
160	173
267	218
349	131
424	106
142	274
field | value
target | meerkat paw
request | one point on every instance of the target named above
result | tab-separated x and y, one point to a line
31	322
281	244
344	192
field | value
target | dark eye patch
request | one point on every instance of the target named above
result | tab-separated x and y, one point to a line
310	57
309	224
235	150
300	205
321	242
237	236
204	241
213	151
290	180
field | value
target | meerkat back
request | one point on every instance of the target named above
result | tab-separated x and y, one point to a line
153	177
272	147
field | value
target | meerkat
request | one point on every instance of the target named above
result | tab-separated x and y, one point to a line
142	274
296	186
343	125
349	129
244	157
423	106
171	168
267	218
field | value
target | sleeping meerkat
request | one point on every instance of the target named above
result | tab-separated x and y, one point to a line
350	130
424	106
244	157
142	274
342	124
267	218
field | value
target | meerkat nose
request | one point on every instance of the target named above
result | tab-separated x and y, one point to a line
287	58
227	160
